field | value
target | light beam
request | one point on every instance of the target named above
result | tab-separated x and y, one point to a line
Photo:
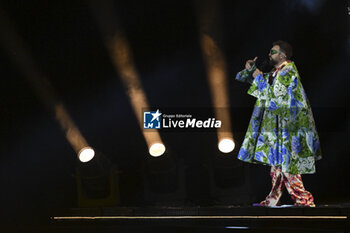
21	56
122	59
216	70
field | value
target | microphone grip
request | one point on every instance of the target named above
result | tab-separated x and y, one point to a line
252	66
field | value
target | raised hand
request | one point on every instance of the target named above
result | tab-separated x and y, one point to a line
249	63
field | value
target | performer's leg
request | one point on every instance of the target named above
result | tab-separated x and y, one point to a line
277	187
296	190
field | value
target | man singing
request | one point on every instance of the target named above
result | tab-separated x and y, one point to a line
282	131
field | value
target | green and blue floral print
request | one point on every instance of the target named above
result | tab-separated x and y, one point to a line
282	129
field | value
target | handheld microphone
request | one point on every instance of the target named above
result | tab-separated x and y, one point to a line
252	65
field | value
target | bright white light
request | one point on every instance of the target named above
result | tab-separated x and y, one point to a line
86	154
226	145
157	149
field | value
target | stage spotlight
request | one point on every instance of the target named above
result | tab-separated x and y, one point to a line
86	154
215	61
122	58
217	77
157	149
226	145
21	56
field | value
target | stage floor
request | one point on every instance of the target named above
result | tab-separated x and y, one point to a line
323	218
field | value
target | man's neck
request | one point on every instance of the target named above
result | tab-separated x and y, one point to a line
279	64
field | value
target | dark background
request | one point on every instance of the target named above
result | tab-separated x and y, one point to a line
37	173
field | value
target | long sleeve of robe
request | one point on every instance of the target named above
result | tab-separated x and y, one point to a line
282	129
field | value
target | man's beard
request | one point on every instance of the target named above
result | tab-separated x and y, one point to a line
265	66
272	62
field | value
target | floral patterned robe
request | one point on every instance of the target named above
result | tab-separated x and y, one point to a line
282	130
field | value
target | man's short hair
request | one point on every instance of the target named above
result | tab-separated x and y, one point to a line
285	47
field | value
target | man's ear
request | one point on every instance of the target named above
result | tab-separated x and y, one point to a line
283	55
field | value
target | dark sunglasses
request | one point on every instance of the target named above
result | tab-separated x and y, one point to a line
272	51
